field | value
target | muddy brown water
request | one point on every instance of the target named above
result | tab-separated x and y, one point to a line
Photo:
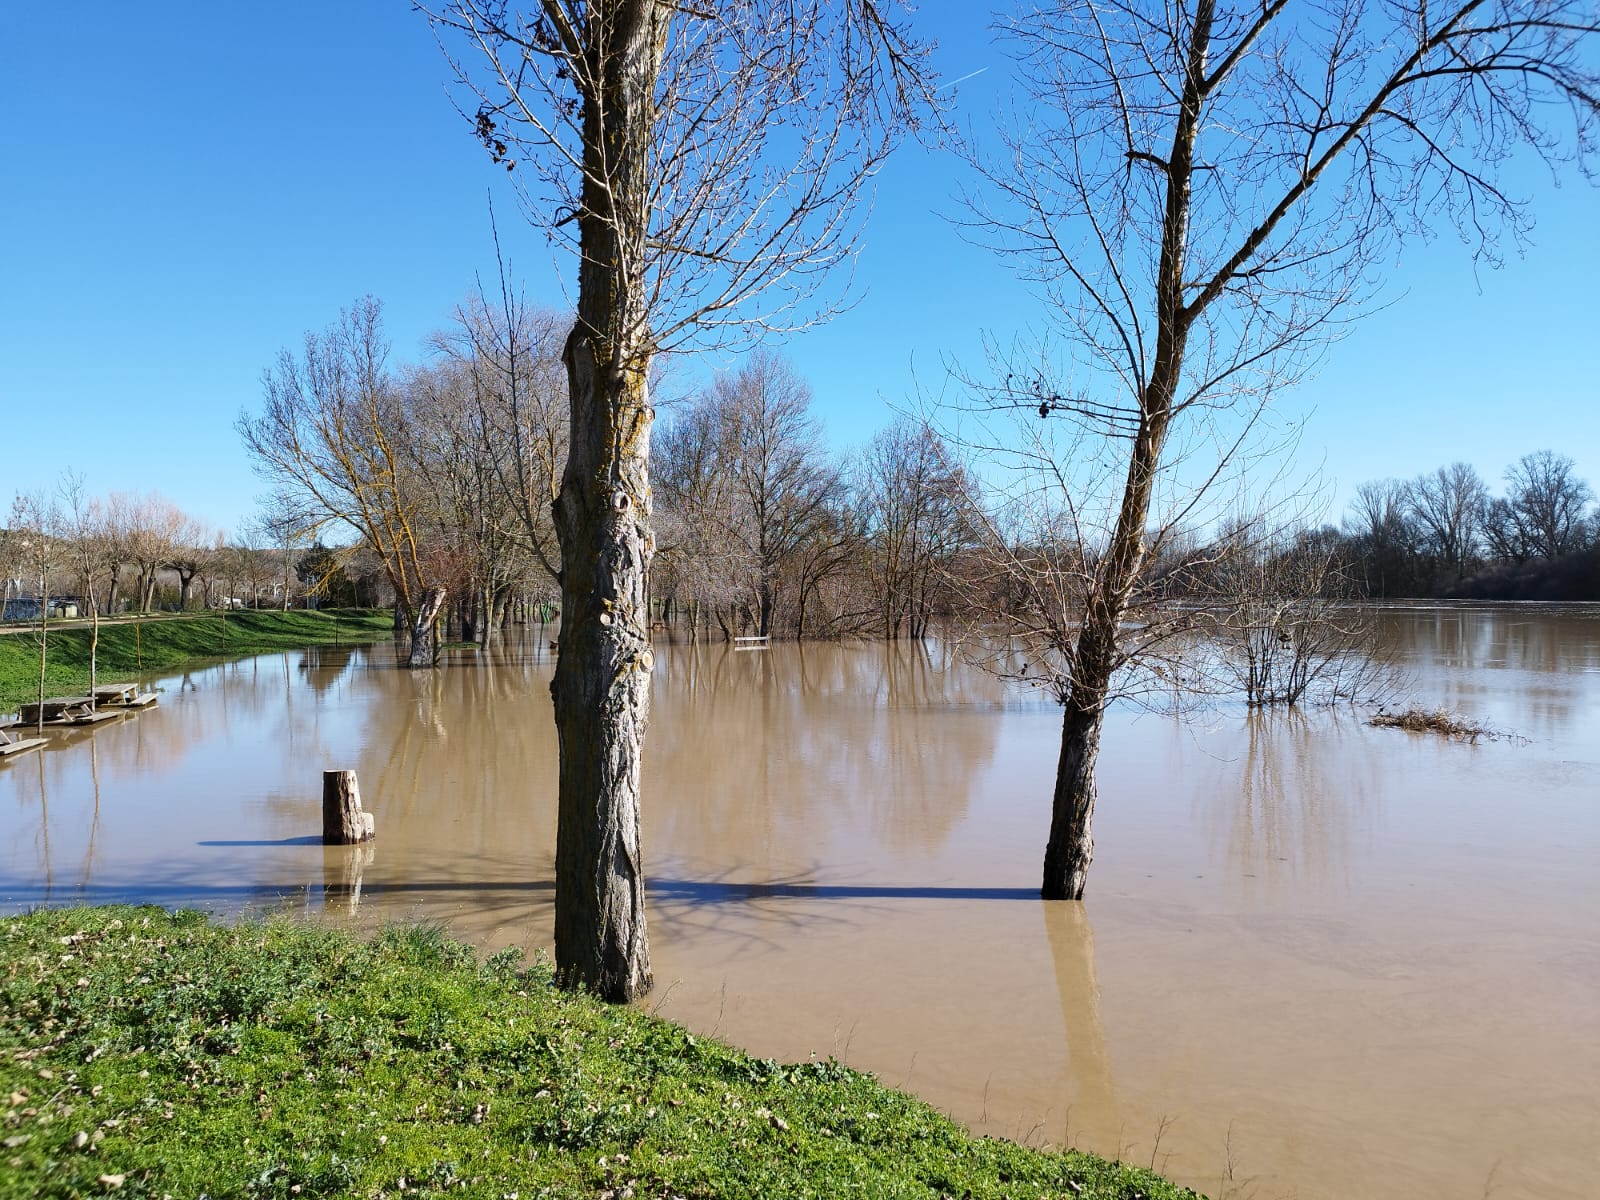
1318	960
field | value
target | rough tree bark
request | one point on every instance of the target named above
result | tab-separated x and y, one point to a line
424	648
601	687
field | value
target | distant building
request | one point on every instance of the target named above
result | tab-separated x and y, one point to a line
26	608
23	608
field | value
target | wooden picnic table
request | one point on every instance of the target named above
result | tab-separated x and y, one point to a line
60	708
115	693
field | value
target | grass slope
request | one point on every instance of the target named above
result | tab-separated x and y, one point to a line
156	1054
154	646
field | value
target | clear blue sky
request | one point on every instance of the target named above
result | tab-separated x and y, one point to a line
185	188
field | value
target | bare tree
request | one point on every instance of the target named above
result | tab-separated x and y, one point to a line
283	525
917	497
1200	192
10	563
331	435
703	162
139	532
1449	505
83	532
1385	532
490	411
470	515
703	564
1286	628
37	531
511	355
150	532
255	565
781	489
229	555
760	519
191	558
1545	505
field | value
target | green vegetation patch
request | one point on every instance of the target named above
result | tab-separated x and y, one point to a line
129	650
157	1054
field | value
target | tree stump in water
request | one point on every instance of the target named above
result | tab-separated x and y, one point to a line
343	822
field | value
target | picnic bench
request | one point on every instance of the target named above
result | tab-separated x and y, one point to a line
122	695
12	745
61	711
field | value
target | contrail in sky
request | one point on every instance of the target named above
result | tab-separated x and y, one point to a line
963	79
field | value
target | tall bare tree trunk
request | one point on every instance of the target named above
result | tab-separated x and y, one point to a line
1096	655
601	687
602	680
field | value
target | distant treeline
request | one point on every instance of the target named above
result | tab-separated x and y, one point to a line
1443	534
445	471
77	553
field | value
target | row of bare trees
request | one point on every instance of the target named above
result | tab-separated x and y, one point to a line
1445	533
446	472
125	552
762	531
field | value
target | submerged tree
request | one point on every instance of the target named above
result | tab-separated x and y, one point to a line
703	162
1200	192
331	434
743	468
509	356
917	501
1283	624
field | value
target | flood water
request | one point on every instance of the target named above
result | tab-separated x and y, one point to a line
1318	960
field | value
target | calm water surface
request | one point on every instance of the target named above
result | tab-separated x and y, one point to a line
1318	960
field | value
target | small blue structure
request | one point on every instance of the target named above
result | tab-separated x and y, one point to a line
26	608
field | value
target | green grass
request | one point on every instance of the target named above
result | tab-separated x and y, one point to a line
128	651
159	1054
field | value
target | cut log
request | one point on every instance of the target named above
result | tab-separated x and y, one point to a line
343	822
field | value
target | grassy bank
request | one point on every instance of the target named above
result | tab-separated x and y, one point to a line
155	1054
129	650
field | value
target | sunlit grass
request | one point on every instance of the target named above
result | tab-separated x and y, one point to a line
154	1054
129	650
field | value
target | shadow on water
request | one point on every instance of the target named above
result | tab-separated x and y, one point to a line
309	840
690	893
703	892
